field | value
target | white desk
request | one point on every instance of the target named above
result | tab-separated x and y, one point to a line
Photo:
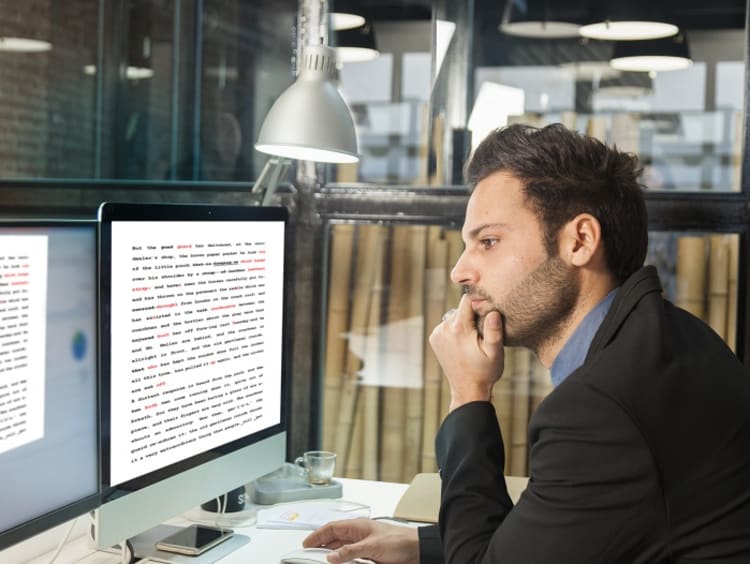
266	546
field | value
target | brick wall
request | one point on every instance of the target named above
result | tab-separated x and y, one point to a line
46	102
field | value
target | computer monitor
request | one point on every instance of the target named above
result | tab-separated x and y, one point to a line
193	357
49	446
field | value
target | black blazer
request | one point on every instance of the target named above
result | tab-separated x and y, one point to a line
641	455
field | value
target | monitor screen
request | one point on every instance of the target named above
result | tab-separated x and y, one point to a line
193	378
49	446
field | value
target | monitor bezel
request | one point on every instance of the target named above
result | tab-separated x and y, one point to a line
58	516
110	212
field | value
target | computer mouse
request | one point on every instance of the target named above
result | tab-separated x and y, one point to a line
306	556
313	556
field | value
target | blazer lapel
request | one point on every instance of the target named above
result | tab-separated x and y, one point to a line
640	283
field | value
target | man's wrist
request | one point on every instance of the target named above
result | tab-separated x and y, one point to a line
459	399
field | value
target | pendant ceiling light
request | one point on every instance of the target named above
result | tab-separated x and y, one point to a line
139	58
345	15
23	29
536	19
628	20
354	45
138	66
652	55
340	20
24	45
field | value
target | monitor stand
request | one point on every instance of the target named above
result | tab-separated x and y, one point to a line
144	546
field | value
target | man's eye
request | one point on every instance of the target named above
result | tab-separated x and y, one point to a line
488	243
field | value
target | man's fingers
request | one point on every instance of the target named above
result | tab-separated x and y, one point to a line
322	537
336	533
465	314
492	332
348	552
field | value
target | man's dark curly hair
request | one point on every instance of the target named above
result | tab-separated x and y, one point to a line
566	173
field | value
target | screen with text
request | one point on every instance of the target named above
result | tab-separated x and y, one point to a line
196	315
49	455
23	314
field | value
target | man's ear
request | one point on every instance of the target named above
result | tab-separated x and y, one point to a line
581	240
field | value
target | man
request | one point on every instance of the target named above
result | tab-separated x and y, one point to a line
642	451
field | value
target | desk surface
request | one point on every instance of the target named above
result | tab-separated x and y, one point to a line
266	546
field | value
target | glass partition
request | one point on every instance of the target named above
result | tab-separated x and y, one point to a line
419	112
383	393
139	89
47	101
444	78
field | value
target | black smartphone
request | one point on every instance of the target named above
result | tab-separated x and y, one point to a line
194	539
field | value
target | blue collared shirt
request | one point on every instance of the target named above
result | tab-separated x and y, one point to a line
574	352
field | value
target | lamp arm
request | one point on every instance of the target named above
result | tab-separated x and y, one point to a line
270	177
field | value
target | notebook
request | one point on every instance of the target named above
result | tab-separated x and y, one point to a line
421	501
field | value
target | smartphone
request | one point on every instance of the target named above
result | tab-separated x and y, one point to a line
194	540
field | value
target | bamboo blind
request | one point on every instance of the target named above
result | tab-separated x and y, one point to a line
384	395
706	274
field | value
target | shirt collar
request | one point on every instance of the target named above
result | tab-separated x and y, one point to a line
575	349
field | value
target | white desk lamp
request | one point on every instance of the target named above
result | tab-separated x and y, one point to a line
310	121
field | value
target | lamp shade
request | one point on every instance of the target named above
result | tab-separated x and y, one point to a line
24	45
310	120
346	14
139	58
536	19
356	44
652	55
628	20
345	20
26	27
629	30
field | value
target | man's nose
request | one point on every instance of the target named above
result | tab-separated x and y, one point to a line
461	272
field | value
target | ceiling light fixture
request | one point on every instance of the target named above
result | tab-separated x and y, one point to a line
535	19
652	55
131	73
23	45
340	20
631	30
345	15
356	45
628	20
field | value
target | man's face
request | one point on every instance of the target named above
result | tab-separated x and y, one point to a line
505	265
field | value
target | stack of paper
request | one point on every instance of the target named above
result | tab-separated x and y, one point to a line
309	515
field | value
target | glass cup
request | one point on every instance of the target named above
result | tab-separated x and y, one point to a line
318	466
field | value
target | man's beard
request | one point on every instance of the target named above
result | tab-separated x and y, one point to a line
538	308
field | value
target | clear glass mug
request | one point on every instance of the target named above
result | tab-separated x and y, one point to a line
318	466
